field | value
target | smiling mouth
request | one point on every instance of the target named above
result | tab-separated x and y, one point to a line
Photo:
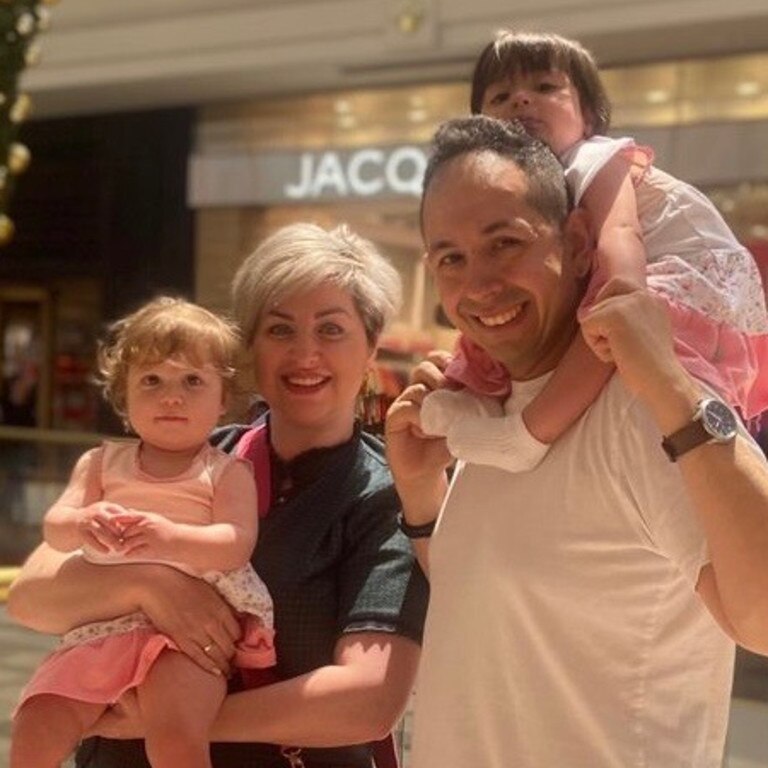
502	318
306	381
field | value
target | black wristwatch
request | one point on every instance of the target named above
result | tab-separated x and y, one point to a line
416	531
713	422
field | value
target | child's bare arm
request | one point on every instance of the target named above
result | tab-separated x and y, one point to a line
60	524
611	204
72	523
612	207
226	543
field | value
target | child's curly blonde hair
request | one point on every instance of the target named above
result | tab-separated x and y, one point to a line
166	328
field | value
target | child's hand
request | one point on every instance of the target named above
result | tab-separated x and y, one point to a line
147	534
100	527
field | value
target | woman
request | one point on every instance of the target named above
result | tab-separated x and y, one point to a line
349	600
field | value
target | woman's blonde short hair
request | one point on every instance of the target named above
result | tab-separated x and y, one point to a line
300	257
165	328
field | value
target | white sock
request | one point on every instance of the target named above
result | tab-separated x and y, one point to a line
502	442
443	407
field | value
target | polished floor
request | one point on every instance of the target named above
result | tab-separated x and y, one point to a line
20	651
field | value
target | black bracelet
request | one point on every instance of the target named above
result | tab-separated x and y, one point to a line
416	531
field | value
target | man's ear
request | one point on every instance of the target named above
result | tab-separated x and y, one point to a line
579	239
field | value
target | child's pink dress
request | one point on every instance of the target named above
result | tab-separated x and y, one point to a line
98	662
709	280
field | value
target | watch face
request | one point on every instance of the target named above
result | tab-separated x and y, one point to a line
718	419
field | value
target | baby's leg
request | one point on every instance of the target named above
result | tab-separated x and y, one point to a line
519	442
48	728
179	701
476	430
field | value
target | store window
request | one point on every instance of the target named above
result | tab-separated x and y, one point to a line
48	403
47	343
24	338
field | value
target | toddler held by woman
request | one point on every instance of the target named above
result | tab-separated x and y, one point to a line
168	498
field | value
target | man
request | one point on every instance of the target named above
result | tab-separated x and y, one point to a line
583	614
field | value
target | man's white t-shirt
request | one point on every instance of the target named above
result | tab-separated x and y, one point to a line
564	628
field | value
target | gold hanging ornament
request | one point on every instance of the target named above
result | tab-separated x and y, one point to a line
43	19
18	158
25	24
21	21
33	55
371	407
20	109
6	229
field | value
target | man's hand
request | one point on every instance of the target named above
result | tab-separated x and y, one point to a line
418	462
430	371
413	457
418	465
630	327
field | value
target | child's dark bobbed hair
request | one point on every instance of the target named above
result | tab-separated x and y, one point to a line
524	52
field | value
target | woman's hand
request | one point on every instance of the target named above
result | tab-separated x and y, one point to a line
192	614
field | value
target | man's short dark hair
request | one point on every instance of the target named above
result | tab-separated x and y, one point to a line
547	191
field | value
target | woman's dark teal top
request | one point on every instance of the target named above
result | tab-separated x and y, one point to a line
335	562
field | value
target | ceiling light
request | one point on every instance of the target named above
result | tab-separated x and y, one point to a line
347	121
657	96
748	88
342	107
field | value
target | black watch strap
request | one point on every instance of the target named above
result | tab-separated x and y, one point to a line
685	439
423	531
713	422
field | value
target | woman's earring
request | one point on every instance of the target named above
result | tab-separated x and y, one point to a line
371	408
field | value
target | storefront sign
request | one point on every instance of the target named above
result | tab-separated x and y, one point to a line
364	173
281	177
